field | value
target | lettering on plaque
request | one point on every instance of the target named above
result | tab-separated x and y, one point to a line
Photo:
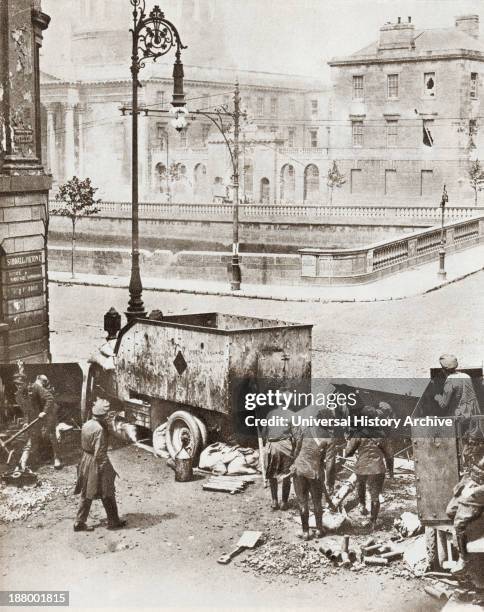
19	260
15	292
22	275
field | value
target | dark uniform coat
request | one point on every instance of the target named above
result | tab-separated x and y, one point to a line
372	453
42	400
95	473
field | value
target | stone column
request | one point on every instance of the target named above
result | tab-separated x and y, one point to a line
80	122
51	148
69	151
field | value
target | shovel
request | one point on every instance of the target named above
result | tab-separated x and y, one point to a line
248	540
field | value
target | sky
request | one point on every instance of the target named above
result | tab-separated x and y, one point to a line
296	36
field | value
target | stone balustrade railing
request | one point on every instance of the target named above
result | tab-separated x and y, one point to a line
220	211
336	266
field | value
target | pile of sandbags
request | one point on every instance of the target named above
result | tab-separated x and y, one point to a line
220	458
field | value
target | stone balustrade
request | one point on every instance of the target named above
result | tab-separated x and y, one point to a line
336	266
221	211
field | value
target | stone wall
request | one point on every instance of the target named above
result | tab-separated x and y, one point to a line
258	236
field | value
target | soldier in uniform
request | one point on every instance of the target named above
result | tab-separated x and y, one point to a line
95	473
466	506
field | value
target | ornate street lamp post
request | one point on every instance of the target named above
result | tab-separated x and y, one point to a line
153	37
219	118
443	202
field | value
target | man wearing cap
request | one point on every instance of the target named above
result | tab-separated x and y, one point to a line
95	473
37	402
373	451
458	397
44	405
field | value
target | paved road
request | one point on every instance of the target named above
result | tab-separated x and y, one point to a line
401	338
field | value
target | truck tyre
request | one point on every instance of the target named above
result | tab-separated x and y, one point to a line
432	549
203	431
179	423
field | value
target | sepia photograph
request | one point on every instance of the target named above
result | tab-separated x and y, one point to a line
242	305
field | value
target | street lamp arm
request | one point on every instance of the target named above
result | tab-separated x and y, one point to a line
219	124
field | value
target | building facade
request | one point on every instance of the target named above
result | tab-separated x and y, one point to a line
407	111
86	134
24	187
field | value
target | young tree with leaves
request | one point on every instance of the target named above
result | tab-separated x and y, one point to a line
476	178
334	179
76	199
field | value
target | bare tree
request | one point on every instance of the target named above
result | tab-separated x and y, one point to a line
76	198
334	179
476	178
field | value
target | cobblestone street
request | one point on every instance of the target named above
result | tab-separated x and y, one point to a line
402	338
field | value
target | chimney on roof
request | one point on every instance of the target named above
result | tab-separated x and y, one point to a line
469	24
398	35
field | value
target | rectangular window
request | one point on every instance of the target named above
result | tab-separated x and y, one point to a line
183	138
161	136
205	132
260	106
292	106
392	86
273	106
427	132
390	181
160	99
357	132
358	92
392	132
474	91
314	138
429	84
291	136
426	183
314	107
356	182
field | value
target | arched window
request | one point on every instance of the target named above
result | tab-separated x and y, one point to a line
288	183
248	183
265	191
200	181
311	182
161	178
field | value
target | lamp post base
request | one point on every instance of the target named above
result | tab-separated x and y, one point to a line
236	274
442	272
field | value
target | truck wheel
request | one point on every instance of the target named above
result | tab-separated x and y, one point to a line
203	431
432	549
182	423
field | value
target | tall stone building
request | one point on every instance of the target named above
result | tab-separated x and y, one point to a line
87	80
407	111
24	186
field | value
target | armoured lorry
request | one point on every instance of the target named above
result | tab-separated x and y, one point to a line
439	465
185	370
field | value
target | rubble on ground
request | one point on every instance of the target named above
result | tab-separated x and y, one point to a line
408	525
20	503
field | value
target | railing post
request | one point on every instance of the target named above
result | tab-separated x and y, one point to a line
369	260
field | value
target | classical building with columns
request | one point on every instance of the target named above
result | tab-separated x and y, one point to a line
24	187
87	82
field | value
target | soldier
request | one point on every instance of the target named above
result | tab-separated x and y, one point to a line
311	444
44	404
279	457
466	506
458	397
95	473
370	466
37	402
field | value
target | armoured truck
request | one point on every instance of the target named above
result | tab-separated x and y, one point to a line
185	370
439	465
